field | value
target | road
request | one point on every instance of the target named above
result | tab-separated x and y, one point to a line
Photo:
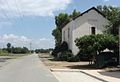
26	69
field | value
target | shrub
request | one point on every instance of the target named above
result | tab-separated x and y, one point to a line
61	48
56	51
64	47
74	59
64	56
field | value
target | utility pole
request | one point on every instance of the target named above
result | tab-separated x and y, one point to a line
119	45
30	47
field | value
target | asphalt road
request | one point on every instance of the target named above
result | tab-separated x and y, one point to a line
26	69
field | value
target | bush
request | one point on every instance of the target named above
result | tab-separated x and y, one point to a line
64	56
74	59
61	48
56	51
84	56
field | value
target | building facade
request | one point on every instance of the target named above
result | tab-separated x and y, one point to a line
89	22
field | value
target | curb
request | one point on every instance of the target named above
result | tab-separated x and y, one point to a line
94	76
76	70
64	70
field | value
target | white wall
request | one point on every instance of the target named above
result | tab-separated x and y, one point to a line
65	29
82	26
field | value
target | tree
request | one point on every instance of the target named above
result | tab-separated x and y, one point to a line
74	14
58	36
90	44
19	50
61	20
8	45
113	15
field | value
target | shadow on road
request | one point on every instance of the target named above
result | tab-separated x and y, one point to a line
115	74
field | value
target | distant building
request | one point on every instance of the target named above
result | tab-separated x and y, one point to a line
89	22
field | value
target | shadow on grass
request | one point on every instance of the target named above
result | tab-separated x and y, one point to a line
87	66
4	59
52	59
45	57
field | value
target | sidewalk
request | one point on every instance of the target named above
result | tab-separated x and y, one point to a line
107	76
78	71
72	75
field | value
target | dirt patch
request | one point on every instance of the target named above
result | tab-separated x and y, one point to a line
50	62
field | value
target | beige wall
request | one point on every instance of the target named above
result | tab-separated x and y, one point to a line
82	26
65	34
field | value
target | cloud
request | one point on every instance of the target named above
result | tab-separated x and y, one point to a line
14	40
33	7
20	41
44	39
106	0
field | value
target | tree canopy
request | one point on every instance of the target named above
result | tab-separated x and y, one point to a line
15	50
61	20
113	15
96	43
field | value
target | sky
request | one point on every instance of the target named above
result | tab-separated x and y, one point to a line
31	21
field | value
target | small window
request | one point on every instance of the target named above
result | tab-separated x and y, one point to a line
68	32
93	30
64	36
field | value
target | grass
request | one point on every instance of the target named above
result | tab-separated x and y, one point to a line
4	53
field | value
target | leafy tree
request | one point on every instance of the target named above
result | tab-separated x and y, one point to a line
19	50
24	50
58	36
61	20
113	15
90	44
43	50
74	14
8	45
16	50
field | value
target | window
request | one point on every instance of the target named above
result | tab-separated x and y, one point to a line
68	32
93	30
64	36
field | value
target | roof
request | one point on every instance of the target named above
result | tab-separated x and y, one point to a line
93	8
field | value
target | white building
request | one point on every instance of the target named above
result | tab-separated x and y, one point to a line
89	22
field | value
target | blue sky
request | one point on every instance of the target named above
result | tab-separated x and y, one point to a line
25	21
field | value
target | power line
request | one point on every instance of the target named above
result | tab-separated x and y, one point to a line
19	11
4	13
21	16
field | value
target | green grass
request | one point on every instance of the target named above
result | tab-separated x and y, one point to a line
3	53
